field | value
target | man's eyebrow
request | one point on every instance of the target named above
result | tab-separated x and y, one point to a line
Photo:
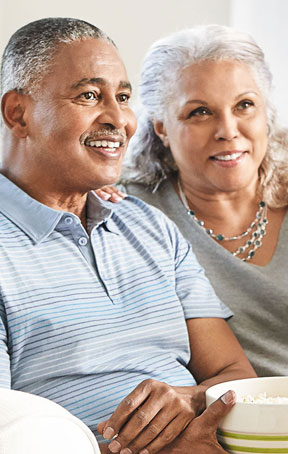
86	81
125	84
99	81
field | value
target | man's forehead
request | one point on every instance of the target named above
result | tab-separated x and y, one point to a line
89	62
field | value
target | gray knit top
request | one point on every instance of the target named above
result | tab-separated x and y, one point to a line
258	295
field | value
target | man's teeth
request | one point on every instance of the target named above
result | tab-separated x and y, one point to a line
103	144
228	157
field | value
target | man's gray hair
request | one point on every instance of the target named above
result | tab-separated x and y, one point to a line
149	161
30	51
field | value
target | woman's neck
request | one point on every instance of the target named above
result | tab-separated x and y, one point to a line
231	214
226	213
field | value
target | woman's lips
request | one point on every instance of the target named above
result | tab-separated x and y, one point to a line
228	159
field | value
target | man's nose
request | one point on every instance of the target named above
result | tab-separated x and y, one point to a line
113	115
226	127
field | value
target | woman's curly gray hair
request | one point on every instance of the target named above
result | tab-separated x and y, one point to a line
149	161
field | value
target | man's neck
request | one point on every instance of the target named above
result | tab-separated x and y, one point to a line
58	200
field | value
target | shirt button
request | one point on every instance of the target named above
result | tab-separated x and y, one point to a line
82	241
68	220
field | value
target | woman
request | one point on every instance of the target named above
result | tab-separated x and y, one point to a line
209	153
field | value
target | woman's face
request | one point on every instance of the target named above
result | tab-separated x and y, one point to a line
215	126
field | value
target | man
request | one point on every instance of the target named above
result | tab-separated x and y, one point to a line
99	308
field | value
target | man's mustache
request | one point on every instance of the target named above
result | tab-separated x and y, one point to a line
103	132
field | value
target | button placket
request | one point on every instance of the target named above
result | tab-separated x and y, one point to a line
68	220
76	230
98	236
82	241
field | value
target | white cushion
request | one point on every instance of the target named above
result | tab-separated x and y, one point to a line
31	424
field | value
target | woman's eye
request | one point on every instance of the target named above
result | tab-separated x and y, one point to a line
200	111
245	104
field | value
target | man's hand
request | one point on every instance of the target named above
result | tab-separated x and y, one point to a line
151	416
200	436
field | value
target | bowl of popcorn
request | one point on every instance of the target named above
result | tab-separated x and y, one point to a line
258	422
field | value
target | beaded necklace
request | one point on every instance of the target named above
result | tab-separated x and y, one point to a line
257	229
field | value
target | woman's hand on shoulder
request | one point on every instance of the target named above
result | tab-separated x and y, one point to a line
111	193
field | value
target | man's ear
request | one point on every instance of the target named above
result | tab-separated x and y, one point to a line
160	130
13	111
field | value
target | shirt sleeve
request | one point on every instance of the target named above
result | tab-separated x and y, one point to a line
193	288
5	376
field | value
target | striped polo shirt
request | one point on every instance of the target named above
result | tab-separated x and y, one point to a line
85	317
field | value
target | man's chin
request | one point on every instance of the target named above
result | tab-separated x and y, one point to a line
106	182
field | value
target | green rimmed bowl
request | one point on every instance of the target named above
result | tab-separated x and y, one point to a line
254	427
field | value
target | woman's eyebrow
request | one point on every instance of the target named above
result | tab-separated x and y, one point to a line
196	101
248	92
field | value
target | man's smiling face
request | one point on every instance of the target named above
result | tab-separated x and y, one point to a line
79	119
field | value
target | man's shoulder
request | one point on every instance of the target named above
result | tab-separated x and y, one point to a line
145	219
138	208
6	224
141	212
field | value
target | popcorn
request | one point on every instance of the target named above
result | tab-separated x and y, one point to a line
262	398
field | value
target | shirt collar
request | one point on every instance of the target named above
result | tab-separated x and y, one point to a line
99	212
36	219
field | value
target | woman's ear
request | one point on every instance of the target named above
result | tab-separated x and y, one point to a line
13	113
160	131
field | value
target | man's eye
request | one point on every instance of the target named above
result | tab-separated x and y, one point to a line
123	97
200	111
89	95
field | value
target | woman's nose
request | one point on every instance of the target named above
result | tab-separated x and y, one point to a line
227	127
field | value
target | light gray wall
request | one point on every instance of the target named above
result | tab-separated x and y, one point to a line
267	22
133	24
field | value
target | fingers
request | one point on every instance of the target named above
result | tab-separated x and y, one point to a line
143	428
126	409
100	427
213	415
111	193
156	436
151	416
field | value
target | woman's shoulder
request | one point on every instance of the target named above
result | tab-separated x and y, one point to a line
134	188
153	196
